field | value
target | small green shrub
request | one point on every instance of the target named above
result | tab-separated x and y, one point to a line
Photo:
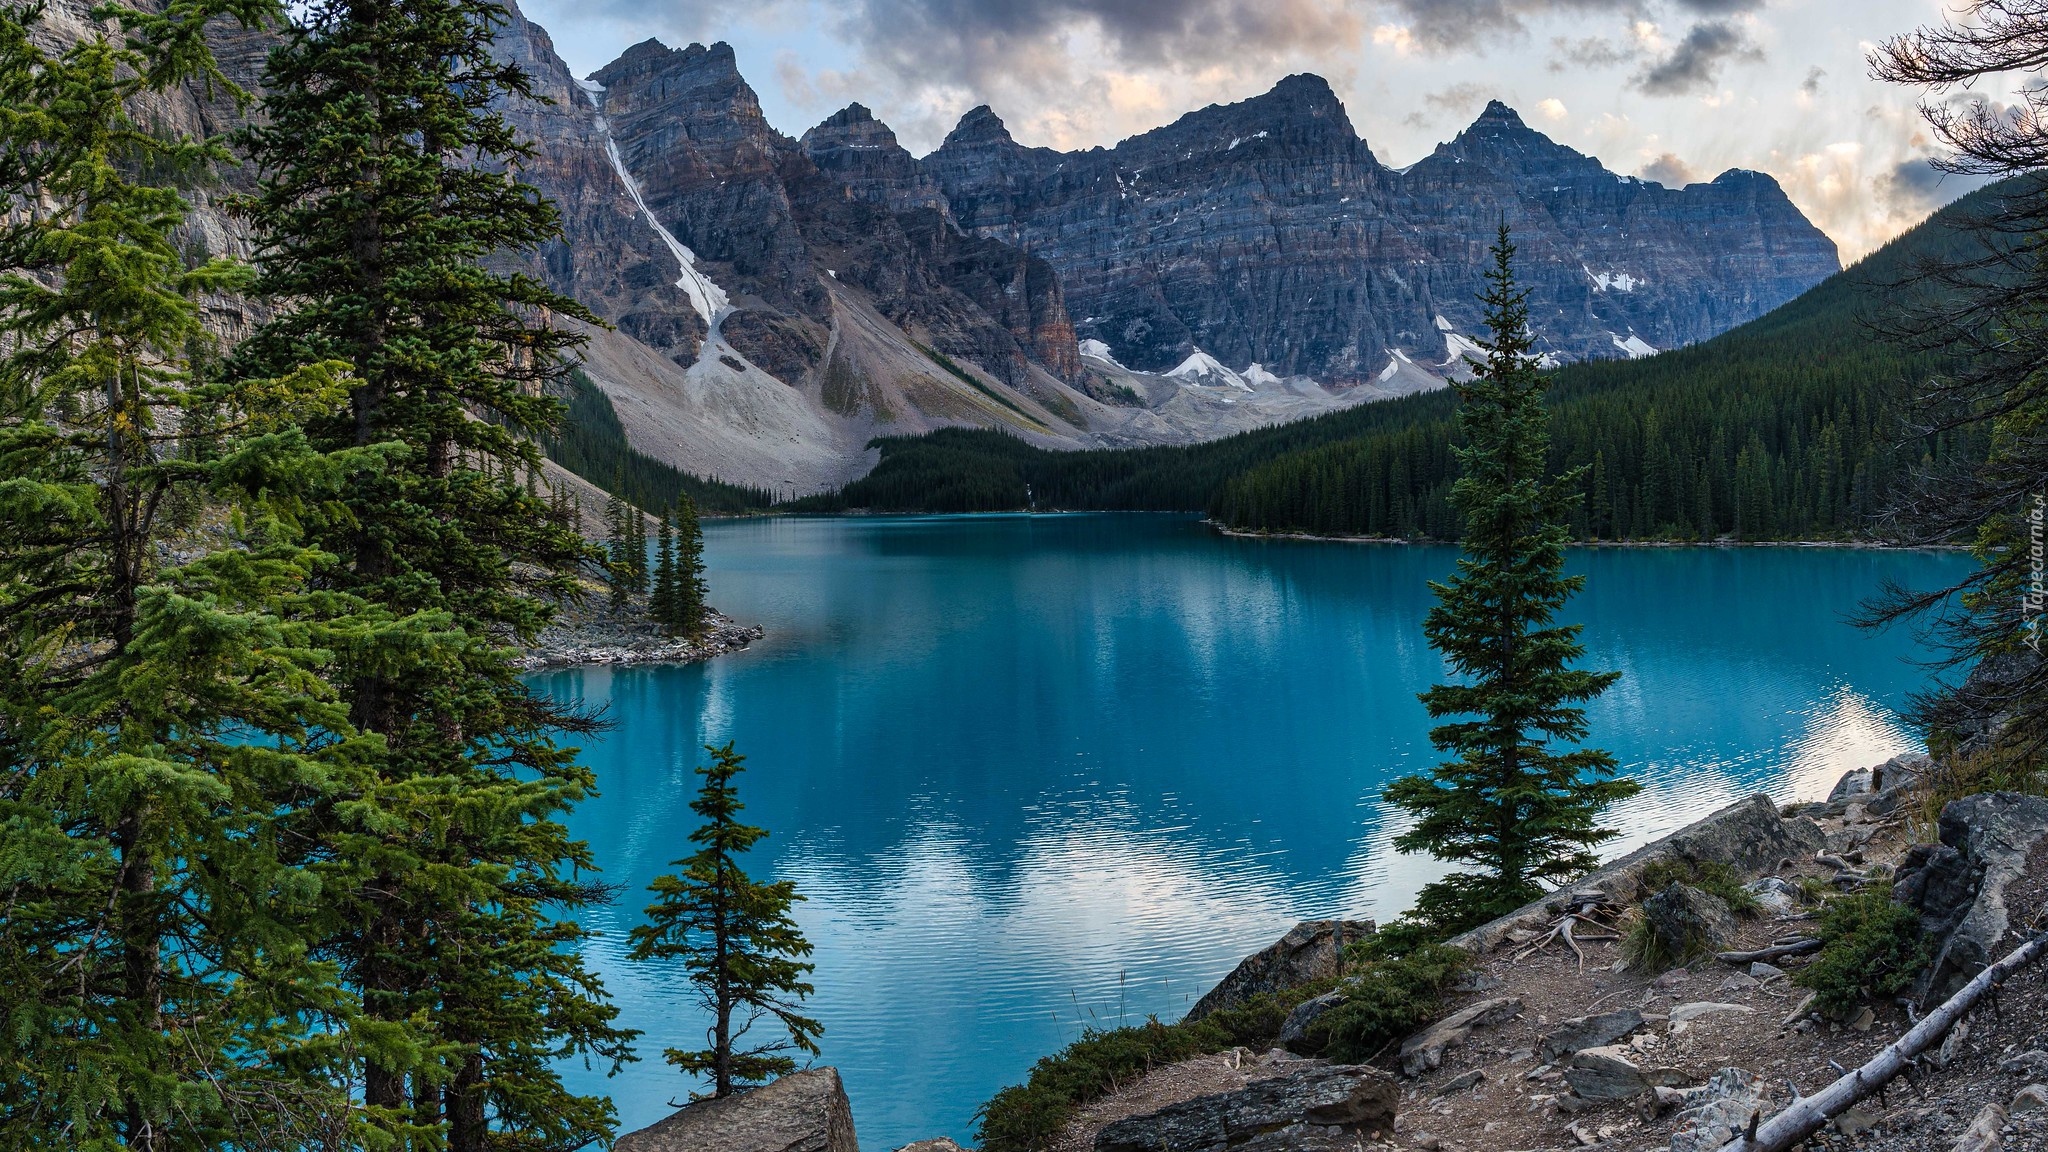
1710	876
1025	1117
1388	1001
1871	949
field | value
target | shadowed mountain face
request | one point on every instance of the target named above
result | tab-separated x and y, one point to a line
1267	232
777	303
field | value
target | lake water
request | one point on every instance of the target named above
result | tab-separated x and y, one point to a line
1041	773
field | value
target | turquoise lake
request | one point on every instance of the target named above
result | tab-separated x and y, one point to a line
1041	773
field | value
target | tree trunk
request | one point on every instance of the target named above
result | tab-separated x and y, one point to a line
1807	1115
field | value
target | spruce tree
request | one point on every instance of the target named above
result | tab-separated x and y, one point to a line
161	719
736	940
691	610
387	181
1514	802
661	602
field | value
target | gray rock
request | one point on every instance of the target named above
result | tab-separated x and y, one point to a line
1606	1073
1761	971
2032	1098
1309	951
1461	1082
1688	922
1983	1132
1295	1028
1687	1013
1582	1032
1749	836
1320	1106
2032	1062
802	1112
1611	1073
1958	885
1774	895
1718	1111
1857	782
941	1144
1425	1050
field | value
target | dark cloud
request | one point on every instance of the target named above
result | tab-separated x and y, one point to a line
1916	187
1669	170
1694	65
1590	52
1811	85
1459	100
1447	23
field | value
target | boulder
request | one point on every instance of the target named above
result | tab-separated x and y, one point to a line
2032	1098
1749	836
1687	1013
1609	1073
1775	896
1688	922
1582	1032
1718	1111
1605	1073
1958	885
1318	1107
1425	1050
1295	1028
802	1112
1310	951
1983	1134
941	1144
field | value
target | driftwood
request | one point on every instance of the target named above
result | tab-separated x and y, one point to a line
1807	1115
1794	948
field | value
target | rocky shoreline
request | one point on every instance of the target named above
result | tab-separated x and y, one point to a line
1864	545
595	634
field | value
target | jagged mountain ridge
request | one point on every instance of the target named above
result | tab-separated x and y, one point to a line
778	302
1266	231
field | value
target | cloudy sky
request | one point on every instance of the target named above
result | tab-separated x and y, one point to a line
1672	90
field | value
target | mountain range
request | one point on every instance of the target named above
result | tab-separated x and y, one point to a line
776	303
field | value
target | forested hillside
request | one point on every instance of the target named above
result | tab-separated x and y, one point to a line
1784	428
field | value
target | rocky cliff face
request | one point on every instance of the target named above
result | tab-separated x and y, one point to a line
778	221
1266	232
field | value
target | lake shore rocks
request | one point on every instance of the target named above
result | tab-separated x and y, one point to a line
592	634
1750	835
1312	1107
1309	951
1959	884
801	1112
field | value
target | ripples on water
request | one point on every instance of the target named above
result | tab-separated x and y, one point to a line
1042	774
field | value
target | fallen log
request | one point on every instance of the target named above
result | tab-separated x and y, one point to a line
1774	952
1806	1116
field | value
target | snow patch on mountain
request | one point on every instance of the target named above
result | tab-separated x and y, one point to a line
1618	281
1461	347
1202	368
707	298
1443	325
1258	377
1634	346
1099	351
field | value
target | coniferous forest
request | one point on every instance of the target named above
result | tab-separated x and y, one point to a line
1789	427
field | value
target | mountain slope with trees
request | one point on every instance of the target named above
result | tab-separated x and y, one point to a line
1785	428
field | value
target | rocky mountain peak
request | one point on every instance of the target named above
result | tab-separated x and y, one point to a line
979	126
862	154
